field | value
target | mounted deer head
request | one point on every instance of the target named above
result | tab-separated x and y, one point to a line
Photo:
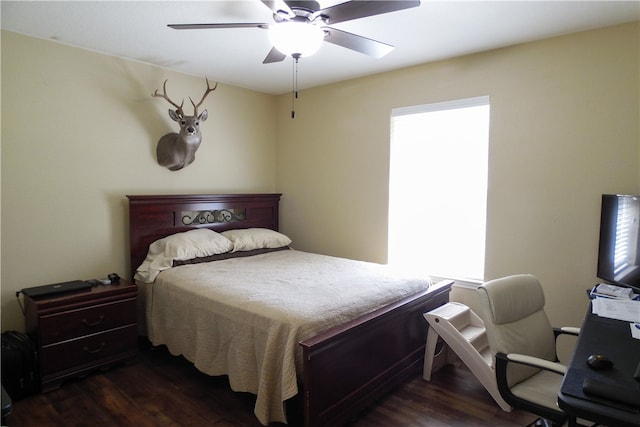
177	150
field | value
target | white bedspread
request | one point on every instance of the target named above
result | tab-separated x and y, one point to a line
244	317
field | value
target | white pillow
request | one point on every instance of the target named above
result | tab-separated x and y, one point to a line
190	244
256	238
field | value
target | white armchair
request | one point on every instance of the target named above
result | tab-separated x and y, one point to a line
523	342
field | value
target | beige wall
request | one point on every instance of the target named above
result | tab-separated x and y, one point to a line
564	130
78	133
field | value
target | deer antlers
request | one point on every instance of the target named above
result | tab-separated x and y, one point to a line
206	92
165	96
179	110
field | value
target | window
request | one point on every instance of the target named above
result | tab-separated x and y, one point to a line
438	188
625	254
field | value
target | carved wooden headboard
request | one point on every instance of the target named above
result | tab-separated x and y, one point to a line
154	217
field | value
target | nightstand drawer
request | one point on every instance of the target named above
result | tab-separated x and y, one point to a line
89	350
75	323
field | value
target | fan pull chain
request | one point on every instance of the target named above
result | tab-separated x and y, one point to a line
294	92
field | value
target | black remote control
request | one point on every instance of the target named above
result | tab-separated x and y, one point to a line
636	375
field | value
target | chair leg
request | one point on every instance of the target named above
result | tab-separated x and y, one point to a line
541	422
573	422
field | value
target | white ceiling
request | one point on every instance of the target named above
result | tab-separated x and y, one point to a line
436	30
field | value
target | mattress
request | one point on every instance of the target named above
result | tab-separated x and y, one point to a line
244	317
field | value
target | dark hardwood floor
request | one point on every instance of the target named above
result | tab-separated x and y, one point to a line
157	389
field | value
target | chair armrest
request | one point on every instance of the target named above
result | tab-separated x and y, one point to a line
536	362
564	330
568	330
555	415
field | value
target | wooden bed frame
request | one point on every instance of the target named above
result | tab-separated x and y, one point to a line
345	368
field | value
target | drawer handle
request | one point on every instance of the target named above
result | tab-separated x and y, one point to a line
92	324
95	350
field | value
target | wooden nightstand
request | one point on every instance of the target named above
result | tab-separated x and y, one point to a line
81	331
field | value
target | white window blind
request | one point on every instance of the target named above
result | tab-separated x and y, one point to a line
438	188
626	235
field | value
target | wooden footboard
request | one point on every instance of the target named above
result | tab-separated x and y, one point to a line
347	367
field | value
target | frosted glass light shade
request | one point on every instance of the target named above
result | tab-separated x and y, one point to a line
300	38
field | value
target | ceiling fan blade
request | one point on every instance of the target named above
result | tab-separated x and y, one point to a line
278	6
274	55
304	4
360	9
358	43
217	26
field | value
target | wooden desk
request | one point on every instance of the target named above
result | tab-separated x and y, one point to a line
612	338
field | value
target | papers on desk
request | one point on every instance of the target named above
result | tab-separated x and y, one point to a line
607	290
618	303
627	310
635	331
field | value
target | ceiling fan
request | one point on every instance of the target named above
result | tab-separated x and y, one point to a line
300	27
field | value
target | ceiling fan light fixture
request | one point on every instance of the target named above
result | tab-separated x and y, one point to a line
296	38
